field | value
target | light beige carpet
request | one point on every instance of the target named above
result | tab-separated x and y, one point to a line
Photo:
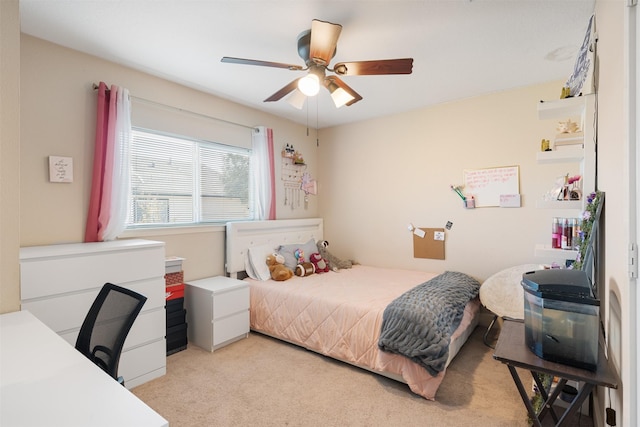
260	381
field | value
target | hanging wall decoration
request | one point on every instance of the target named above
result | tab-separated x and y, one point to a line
583	66
293	168
309	186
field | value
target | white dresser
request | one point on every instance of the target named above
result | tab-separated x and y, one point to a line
60	282
217	311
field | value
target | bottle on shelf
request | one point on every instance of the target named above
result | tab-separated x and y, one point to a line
556	233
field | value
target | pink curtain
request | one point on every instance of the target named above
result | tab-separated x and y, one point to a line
101	186
272	175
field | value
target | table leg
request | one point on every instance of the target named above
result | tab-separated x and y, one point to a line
486	334
577	402
524	396
548	400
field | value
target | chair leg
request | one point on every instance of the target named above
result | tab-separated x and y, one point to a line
486	334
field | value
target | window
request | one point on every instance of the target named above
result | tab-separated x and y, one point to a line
180	181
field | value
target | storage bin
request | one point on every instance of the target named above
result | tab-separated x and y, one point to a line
561	317
174	291
176	338
176	318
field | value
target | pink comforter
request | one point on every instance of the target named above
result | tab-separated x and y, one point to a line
340	315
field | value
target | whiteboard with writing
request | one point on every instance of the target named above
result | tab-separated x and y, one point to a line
487	185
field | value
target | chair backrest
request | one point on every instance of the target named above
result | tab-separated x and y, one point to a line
107	325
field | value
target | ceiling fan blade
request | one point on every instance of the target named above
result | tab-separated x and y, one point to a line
324	38
231	60
283	92
334	82
380	67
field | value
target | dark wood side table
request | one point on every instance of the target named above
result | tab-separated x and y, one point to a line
512	351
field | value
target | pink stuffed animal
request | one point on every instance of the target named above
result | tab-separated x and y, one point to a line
319	263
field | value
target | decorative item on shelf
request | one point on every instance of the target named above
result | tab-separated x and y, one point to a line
565	188
545	145
288	152
298	159
568	126
565	233
569	135
570	189
589	216
583	67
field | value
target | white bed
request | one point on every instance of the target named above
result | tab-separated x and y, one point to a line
337	314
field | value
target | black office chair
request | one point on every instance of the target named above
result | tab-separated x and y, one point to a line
107	325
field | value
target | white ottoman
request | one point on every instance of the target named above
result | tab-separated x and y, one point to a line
502	293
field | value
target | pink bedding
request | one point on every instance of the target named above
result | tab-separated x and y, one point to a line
339	314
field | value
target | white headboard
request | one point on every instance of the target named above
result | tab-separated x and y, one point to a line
244	234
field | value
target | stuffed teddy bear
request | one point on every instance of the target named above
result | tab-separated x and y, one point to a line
320	265
335	262
278	271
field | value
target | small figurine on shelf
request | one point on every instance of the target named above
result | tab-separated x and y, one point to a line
298	159
545	145
288	152
567	126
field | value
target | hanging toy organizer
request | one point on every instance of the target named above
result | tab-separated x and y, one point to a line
293	167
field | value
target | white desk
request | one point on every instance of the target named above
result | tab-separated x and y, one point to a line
46	381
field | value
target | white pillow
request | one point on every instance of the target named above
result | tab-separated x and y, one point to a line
258	261
248	268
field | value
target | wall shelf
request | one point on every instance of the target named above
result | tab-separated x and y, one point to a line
548	252
567	155
584	154
561	108
559	204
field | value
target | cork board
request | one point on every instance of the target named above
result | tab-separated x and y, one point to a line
431	245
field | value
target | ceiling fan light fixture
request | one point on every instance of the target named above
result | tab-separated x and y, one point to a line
296	99
340	96
309	84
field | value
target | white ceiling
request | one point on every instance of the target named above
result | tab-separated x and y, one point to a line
461	48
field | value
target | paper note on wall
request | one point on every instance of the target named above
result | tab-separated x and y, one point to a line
429	243
487	185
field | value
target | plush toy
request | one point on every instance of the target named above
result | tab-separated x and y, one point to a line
305	269
335	262
278	271
299	254
320	265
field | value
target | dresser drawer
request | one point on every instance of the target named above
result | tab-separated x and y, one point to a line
229	328
230	302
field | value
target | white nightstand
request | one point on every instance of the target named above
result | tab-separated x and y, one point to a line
217	311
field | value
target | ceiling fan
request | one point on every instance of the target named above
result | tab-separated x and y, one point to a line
317	47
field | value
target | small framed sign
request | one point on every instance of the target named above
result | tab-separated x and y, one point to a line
60	169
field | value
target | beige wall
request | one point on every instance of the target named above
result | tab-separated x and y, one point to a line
58	118
9	155
379	176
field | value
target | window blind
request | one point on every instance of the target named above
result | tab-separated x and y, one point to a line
177	180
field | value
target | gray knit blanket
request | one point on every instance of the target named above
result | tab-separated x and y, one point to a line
419	323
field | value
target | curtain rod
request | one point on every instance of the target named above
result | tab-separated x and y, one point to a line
182	110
